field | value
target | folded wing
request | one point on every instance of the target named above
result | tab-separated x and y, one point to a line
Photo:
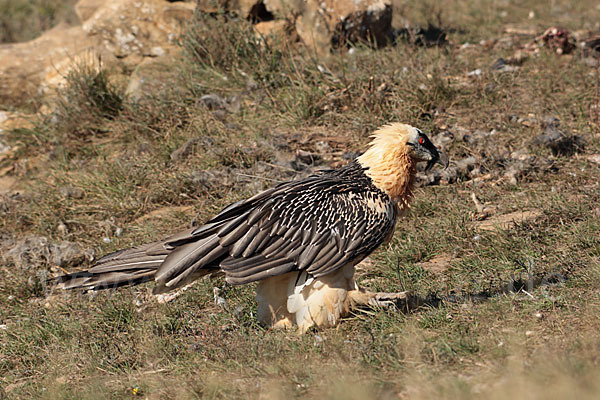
318	224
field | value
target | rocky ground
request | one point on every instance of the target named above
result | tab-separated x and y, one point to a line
161	113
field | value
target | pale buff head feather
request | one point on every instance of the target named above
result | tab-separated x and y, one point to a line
389	161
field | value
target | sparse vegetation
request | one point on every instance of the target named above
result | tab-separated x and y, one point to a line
22	20
101	171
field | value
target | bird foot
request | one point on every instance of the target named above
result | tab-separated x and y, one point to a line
383	299
363	297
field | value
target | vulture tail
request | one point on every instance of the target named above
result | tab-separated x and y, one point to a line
123	268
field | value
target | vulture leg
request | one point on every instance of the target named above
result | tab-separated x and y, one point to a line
363	298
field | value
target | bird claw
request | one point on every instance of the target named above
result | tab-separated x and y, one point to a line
382	299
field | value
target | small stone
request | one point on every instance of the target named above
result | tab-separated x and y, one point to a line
521	155
156	51
213	101
62	229
71	192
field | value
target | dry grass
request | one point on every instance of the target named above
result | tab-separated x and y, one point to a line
108	181
22	20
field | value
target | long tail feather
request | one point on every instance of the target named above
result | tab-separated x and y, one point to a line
123	268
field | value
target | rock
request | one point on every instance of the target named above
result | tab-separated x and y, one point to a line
245	8
215	102
24	66
72	192
356	22
116	30
156	51
522	155
35	251
15	120
86	8
272	28
132	27
320	24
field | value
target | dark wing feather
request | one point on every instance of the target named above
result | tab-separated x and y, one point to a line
319	224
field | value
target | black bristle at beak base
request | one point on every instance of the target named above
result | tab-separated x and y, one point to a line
441	159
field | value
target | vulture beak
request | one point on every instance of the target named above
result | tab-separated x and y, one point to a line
438	158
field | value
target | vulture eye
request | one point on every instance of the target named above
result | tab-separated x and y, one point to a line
421	140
